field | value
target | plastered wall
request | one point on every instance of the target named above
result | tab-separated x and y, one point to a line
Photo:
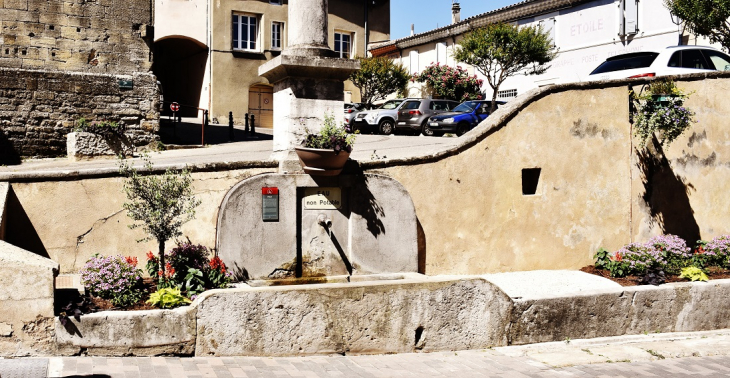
597	188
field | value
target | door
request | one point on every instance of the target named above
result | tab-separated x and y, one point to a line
261	105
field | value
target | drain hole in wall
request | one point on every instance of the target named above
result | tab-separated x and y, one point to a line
419	333
530	178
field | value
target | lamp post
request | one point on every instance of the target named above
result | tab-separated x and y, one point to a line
677	21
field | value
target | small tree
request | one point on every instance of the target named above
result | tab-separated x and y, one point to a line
707	18
378	77
500	50
158	204
450	83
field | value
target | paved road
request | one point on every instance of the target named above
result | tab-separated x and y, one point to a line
698	354
367	148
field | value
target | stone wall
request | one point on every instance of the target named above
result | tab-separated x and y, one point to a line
38	108
103	36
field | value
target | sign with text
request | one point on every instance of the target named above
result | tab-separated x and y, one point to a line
270	204
322	198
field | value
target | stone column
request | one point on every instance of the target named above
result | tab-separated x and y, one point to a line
308	80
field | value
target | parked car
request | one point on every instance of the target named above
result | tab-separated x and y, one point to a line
381	119
351	109
414	114
462	119
674	60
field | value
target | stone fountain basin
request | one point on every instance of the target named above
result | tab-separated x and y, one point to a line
331	279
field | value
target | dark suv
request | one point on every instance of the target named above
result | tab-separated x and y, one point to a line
414	113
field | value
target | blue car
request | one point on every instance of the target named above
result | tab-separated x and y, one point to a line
462	119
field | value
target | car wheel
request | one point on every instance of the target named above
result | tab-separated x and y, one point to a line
461	129
386	127
426	129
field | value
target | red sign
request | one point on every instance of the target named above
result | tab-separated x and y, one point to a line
174	106
270	190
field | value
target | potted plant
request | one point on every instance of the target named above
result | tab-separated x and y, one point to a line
661	109
325	153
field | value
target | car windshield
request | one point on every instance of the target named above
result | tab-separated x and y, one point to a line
626	62
466	107
392	104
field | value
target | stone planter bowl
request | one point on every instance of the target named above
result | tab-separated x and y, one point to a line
321	162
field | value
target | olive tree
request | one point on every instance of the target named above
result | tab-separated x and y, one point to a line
160	204
708	18
501	50
378	77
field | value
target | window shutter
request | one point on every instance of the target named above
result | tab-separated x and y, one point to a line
630	17
235	32
441	53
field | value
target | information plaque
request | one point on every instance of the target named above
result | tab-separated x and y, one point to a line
270	204
322	198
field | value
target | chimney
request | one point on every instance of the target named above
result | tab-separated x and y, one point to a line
413	26
455	13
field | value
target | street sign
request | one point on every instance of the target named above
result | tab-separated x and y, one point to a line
174	106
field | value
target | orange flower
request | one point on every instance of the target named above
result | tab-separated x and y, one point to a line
699	251
150	256
131	260
617	257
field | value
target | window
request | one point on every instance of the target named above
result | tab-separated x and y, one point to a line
688	59
507	93
245	32
530	179
718	59
276	29
343	44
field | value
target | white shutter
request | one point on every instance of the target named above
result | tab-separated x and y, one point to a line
441	53
630	24
414	62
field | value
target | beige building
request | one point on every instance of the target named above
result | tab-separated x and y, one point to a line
207	54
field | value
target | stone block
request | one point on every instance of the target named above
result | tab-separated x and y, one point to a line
26	284
16	4
677	307
124	333
81	145
373	317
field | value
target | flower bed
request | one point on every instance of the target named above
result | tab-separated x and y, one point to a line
664	258
115	282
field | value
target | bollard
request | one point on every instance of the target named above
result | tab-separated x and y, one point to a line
205	124
246	129
231	136
253	124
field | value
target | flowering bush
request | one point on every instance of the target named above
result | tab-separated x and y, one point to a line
662	110
661	253
715	252
189	269
450	83
330	137
115	278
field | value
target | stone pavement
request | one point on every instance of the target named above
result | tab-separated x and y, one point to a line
695	354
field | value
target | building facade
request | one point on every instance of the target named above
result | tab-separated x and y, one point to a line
207	54
585	33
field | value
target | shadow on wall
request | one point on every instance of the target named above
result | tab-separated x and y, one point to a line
19	229
667	194
367	207
8	155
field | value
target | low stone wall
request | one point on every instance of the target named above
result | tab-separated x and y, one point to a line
674	307
396	317
38	109
124	333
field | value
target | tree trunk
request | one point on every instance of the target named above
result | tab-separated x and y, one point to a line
494	102
161	251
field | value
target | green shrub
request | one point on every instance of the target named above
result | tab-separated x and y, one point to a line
167	297
693	273
189	269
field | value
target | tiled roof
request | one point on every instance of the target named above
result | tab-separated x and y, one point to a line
510	13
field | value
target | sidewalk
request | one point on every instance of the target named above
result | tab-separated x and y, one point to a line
653	355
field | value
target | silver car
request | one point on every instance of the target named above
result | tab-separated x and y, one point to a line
381	119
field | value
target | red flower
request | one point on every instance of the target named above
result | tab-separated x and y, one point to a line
216	263
150	256
617	257
131	260
699	251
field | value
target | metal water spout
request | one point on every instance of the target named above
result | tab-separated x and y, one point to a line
326	223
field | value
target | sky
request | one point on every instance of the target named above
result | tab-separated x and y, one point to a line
430	14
